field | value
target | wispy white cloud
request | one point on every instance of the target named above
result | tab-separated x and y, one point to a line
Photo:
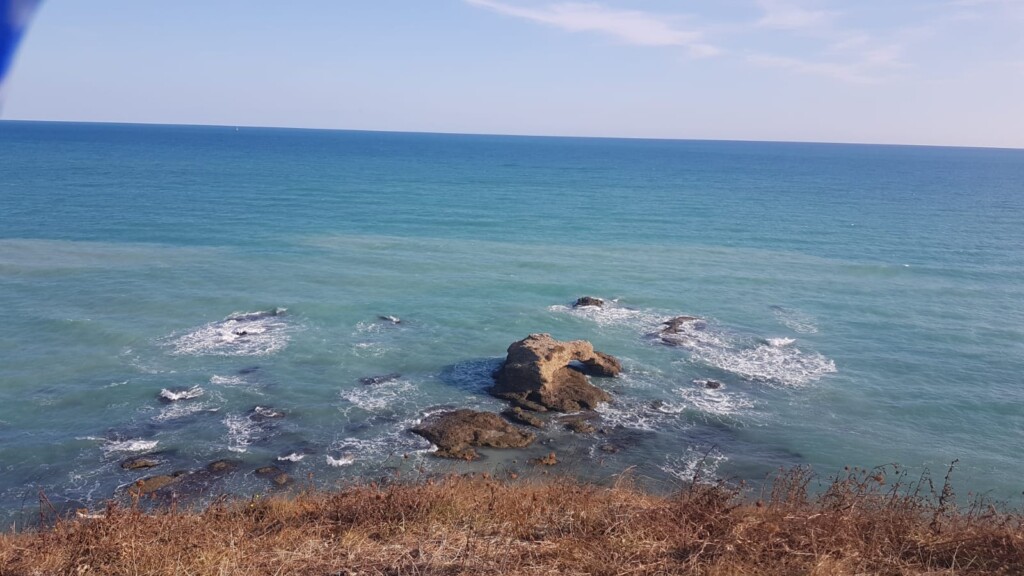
845	54
783	15
869	66
629	26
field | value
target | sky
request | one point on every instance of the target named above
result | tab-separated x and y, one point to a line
935	72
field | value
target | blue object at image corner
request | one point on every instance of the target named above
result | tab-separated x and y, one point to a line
14	19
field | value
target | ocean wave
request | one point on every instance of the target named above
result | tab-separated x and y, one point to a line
180	394
240	334
632	415
612	314
242	432
227	380
343	460
177	411
388	395
715	401
291	457
694	465
771	360
786	366
112	446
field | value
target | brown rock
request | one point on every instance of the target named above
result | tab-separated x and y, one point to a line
518	416
274	474
588	301
139	462
151	484
579	425
455	433
549	460
545	371
221	466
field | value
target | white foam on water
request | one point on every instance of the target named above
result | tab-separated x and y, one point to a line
343	460
636	416
715	401
695	334
378	397
786	366
611	314
267	412
369	328
132	445
227	380
188	394
369	349
795	320
177	410
241	432
773	361
292	457
240	334
694	465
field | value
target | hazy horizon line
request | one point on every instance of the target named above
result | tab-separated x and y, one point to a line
510	135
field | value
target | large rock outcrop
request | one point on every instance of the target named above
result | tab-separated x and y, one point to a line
543	373
455	433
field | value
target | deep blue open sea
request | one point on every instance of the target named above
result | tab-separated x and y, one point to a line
863	304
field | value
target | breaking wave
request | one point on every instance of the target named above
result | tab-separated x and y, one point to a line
240	334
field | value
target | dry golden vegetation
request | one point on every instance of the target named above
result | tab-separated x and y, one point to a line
866	522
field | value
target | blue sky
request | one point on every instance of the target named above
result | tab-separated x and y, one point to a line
918	72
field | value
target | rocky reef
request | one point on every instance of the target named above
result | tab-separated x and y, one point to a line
541	373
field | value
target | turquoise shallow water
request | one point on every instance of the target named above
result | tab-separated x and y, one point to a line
864	304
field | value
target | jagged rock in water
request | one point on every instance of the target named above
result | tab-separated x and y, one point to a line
140	462
708	383
544	371
151	484
222	466
579	424
588	301
519	416
455	433
379	379
550	460
274	474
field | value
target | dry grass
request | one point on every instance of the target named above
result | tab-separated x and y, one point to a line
862	524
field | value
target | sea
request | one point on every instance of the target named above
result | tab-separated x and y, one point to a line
301	298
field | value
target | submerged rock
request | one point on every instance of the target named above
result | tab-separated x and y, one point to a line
140	462
519	416
275	475
222	466
263	413
579	423
379	379
708	383
455	433
550	460
151	484
543	371
676	325
588	301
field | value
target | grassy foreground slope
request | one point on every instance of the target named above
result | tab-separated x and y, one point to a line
861	524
